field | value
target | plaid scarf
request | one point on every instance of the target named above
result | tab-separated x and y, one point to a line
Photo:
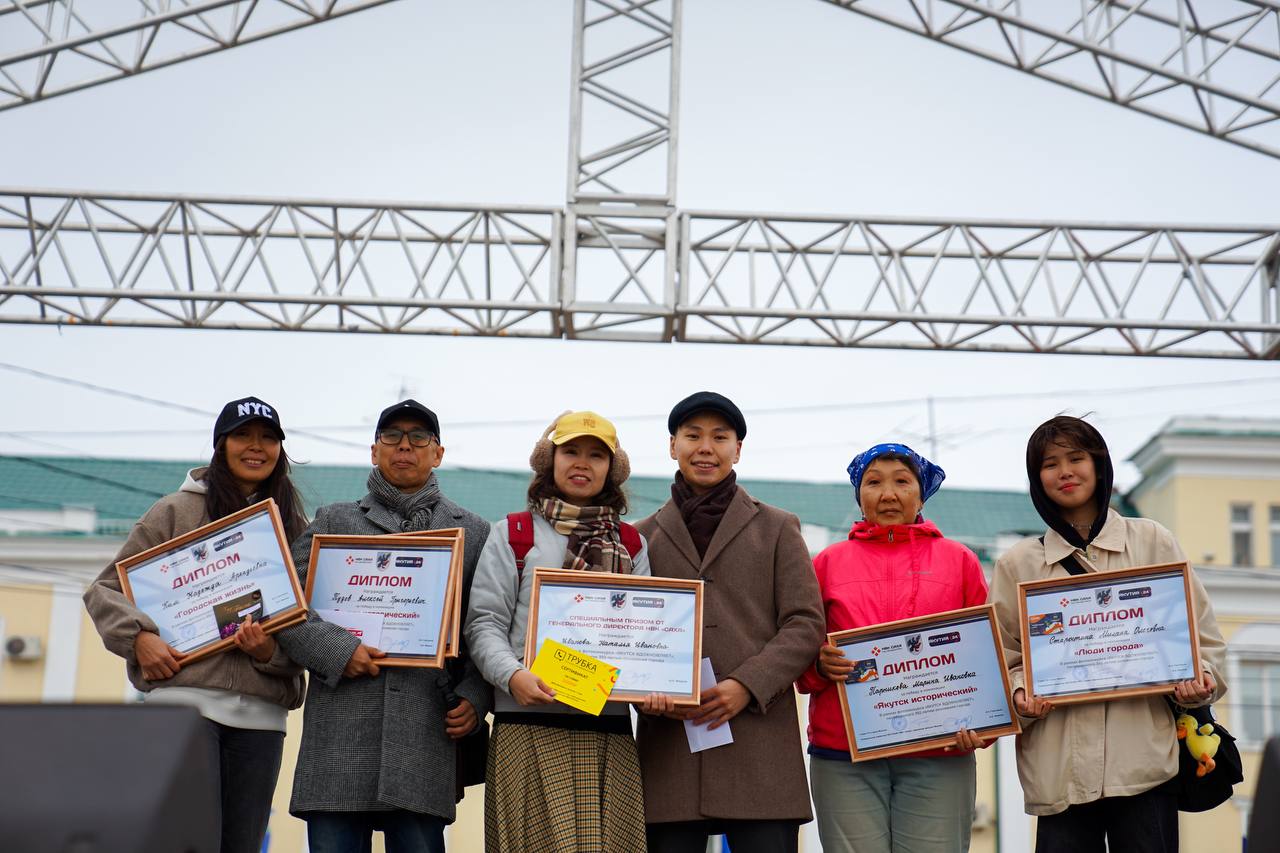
594	542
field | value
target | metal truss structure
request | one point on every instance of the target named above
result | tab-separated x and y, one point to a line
302	265
1208	65
620	262
52	47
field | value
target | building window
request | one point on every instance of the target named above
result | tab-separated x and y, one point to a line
1275	535
1241	535
1259	700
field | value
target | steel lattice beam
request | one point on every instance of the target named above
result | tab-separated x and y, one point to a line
309	265
52	47
1001	286
144	260
1209	65
623	132
625	96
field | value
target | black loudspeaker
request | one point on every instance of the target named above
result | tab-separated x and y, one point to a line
106	779
1264	819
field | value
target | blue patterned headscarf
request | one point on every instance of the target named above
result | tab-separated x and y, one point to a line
930	475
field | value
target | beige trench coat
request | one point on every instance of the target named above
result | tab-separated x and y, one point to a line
762	626
1081	753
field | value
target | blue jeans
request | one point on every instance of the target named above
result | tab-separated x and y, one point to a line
895	805
352	832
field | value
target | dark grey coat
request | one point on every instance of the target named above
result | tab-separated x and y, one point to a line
375	744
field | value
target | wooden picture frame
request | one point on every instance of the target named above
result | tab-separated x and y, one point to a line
135	577
593	583
886	634
448	635
1093	581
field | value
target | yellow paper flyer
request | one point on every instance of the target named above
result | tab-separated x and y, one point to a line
580	681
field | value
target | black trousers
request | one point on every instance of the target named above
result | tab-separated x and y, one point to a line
248	762
744	836
1142	823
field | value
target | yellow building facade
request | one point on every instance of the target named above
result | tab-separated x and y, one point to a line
1215	482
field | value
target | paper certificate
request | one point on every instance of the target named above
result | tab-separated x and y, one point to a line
365	627
200	587
917	682
404	588
580	681
703	737
650	628
1104	635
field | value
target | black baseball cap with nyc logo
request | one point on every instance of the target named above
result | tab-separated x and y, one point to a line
239	412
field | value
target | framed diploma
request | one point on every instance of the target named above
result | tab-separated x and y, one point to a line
455	594
400	593
1108	635
650	628
917	682
199	587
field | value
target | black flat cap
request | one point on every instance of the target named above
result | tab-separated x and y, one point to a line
707	401
410	409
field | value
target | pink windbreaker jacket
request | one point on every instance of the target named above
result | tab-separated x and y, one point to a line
881	574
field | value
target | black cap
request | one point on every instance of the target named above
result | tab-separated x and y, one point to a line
707	401
241	411
410	409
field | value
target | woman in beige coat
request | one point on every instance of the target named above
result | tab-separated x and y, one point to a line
243	693
762	626
1095	773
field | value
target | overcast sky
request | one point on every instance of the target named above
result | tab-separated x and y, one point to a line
796	106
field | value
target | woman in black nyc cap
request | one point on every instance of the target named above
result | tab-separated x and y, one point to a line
244	693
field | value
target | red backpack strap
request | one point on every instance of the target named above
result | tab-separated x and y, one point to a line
520	535
630	538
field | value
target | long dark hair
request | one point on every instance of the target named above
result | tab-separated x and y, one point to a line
543	485
222	496
1075	433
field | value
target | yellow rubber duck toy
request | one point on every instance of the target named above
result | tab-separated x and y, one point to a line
1201	742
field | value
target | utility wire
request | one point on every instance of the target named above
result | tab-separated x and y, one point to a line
152	401
312	431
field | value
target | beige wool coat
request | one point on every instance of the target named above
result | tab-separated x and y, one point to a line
762	626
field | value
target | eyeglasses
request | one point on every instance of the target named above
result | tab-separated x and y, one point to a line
417	437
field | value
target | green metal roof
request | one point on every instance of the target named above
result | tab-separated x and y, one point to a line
121	490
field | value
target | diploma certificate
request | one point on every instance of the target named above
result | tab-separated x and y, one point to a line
917	682
1106	635
408	587
650	628
200	587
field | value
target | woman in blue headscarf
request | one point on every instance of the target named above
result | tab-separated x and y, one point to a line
894	565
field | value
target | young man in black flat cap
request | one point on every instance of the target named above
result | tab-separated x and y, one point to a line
762	626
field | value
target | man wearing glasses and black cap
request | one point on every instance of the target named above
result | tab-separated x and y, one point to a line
379	745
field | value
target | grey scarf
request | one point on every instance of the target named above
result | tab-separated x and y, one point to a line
415	509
